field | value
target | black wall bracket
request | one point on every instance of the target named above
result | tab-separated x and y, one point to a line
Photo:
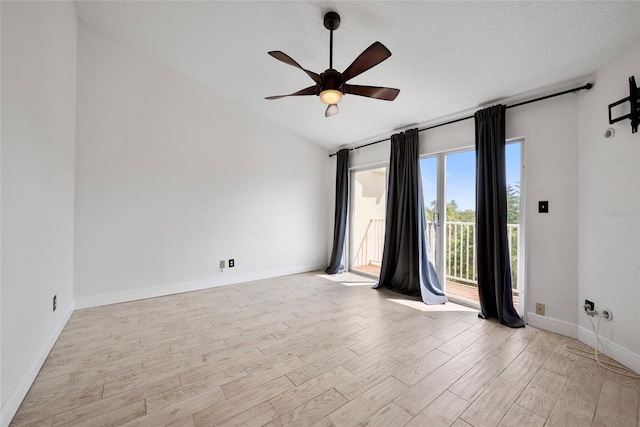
634	115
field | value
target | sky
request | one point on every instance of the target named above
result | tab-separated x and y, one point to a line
461	176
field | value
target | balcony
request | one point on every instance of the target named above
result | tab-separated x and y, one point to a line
460	257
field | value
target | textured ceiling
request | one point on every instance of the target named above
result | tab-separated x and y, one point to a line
447	57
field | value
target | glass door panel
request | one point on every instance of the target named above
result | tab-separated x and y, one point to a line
430	190
449	191
514	169
368	220
459	227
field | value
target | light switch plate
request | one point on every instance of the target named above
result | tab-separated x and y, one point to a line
543	207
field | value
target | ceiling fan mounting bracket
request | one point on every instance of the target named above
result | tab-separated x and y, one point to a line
331	21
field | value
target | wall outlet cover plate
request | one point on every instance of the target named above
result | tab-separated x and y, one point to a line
543	207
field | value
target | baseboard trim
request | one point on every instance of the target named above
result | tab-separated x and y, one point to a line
176	288
551	324
18	394
618	353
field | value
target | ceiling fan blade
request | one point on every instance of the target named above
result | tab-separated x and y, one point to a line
384	93
281	56
372	56
311	90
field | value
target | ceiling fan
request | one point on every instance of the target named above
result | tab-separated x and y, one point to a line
331	85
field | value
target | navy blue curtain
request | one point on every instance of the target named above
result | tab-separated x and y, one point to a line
340	219
492	247
405	261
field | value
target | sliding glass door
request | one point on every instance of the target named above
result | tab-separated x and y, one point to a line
449	190
448	183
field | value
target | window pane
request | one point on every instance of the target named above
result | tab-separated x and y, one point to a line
367	228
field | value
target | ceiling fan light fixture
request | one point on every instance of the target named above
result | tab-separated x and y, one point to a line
330	96
331	110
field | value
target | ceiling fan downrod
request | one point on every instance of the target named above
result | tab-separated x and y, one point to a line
331	83
331	23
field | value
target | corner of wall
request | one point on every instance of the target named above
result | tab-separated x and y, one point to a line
609	348
19	392
609	206
551	324
38	140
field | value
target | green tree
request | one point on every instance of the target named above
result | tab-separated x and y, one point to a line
463	244
513	217
453	213
513	203
429	210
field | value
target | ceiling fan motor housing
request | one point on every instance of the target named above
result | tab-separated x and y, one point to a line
331	79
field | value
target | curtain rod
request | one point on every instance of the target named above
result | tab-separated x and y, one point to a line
542	98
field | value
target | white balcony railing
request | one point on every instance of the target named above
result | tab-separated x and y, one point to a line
372	244
460	254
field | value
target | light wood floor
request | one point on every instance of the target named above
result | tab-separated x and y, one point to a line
314	350
467	294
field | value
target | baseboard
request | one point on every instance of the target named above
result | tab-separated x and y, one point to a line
20	391
176	288
618	353
551	324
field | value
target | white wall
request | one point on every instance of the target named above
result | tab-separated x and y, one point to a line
38	138
609	237
1	398
551	173
171	178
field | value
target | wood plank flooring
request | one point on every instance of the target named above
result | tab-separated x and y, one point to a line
315	350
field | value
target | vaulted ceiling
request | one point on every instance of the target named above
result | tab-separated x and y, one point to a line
447	57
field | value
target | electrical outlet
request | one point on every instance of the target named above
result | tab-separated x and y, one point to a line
539	309
221	264
588	305
231	263
55	302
